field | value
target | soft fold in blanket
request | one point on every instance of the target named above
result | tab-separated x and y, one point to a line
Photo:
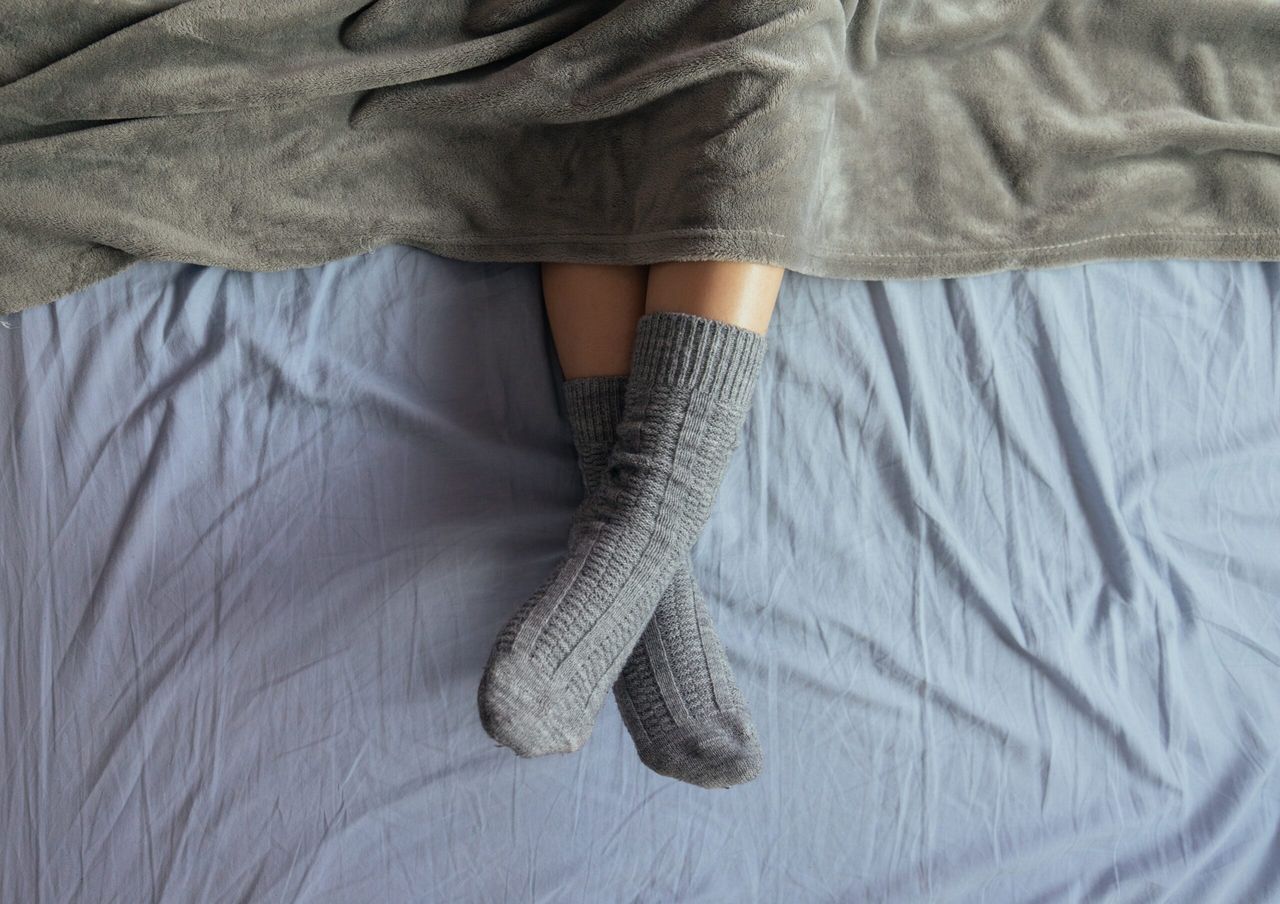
874	138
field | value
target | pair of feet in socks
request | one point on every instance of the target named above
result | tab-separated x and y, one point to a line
621	609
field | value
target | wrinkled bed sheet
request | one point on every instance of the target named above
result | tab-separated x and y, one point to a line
997	564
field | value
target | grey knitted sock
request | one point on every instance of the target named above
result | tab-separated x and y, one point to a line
690	386
676	692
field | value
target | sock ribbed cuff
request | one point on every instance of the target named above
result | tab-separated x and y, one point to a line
594	406
692	352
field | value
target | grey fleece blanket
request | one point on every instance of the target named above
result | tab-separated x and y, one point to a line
874	138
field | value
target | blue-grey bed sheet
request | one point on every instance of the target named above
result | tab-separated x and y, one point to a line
997	565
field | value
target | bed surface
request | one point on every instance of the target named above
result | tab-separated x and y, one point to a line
997	565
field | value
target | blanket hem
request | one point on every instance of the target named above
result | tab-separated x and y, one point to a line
710	243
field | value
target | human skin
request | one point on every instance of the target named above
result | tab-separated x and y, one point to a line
593	308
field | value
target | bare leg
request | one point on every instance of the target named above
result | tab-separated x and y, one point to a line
742	294
593	309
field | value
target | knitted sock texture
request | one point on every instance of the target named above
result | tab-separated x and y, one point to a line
676	693
553	663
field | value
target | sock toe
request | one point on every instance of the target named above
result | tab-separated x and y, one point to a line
518	713
719	751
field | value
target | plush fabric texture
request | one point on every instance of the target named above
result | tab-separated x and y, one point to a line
677	694
554	661
862	139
